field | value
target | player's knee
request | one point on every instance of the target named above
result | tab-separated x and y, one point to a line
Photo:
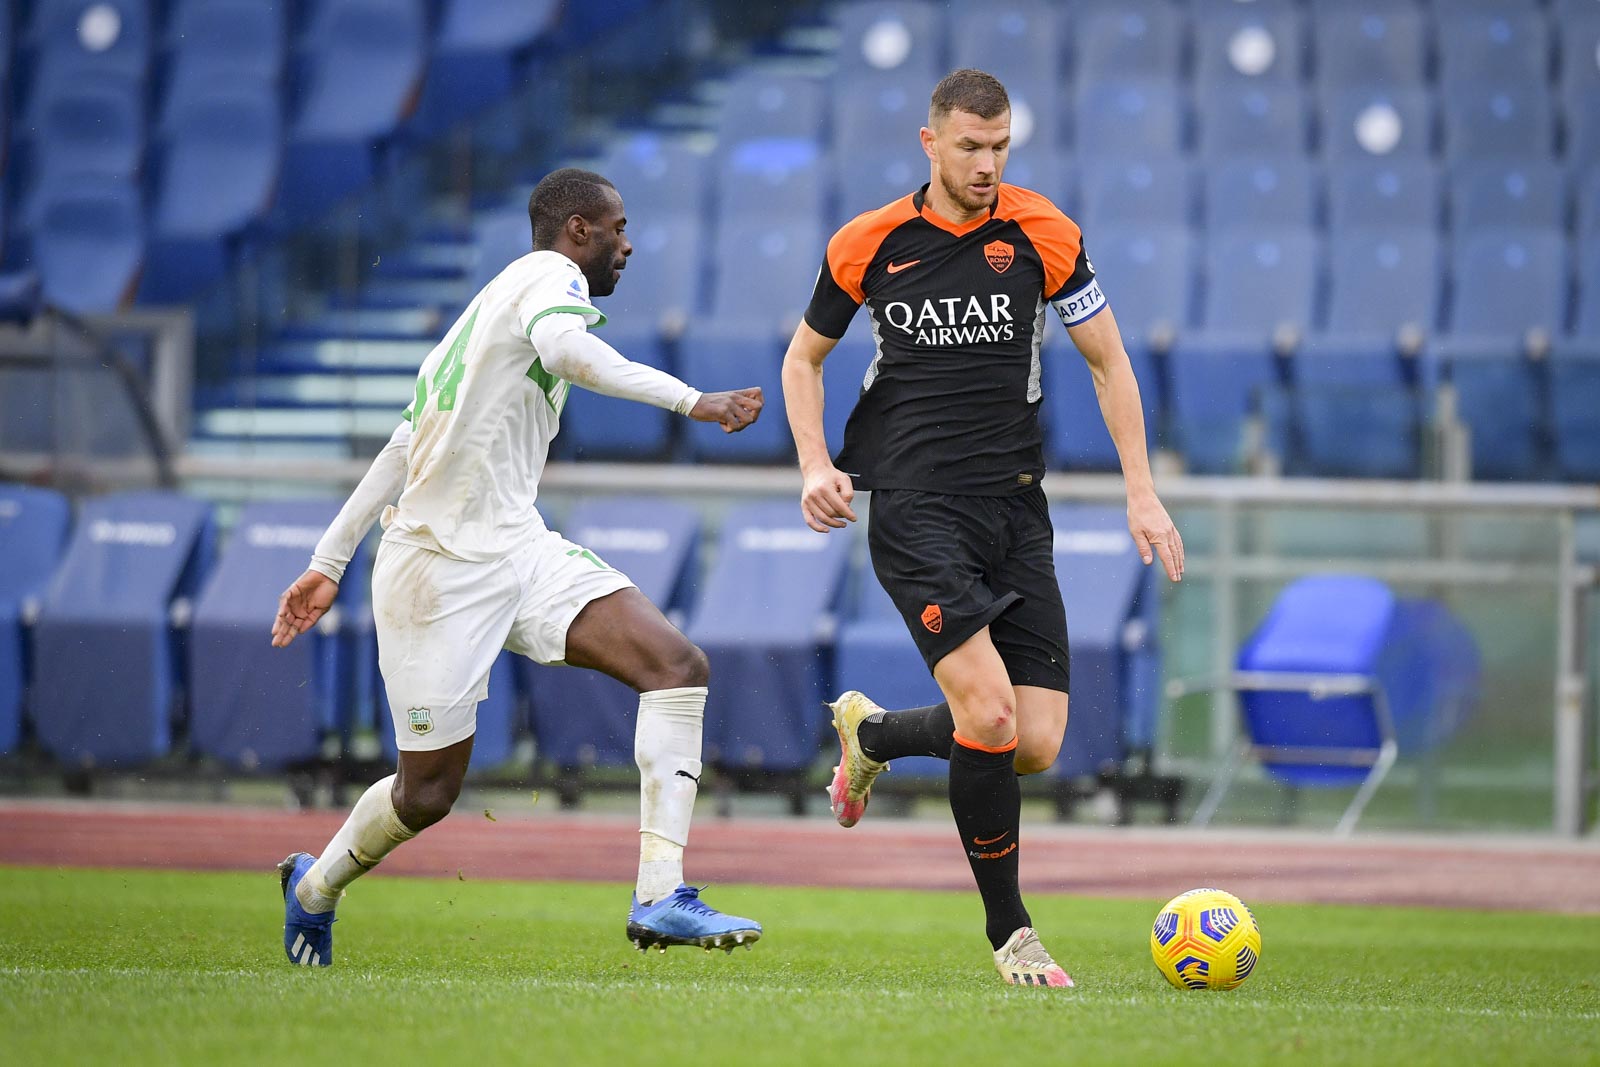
696	667
422	804
682	666
1035	755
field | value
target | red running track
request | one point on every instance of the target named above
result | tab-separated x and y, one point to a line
1143	862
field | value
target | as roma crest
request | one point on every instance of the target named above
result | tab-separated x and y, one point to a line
999	254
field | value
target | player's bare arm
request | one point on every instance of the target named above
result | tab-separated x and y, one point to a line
1100	343
827	493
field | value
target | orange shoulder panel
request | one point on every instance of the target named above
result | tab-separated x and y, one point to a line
1057	237
852	248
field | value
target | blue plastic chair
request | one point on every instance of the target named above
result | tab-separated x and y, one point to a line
1131	117
92	124
1023	39
1575	379
658	175
764	271
33	534
88	242
1492	193
872	177
1075	430
1261	191
843	375
1491	119
766	617
875	110
583	718
1379	193
1512	46
1389	124
363	60
246	38
1369	47
717	355
760	104
71	38
1248	44
478	55
1252	119
663	282
771	178
107	658
905	37
1139	191
595	426
1139	39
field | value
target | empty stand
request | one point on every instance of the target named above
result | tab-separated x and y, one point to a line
1252	119
1379	193
1248	44
33	534
1491	193
1130	117
905	37
1138	39
1506	44
763	104
1365	44
1489	119
1261	192
1141	191
1377	123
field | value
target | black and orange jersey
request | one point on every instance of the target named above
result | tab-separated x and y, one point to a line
950	403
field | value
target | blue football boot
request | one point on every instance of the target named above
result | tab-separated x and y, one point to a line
682	918
307	938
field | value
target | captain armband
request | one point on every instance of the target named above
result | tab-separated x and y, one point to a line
1080	306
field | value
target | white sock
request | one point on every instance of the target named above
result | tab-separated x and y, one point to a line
370	833
666	746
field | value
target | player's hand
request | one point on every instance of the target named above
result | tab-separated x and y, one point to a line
825	500
1155	535
301	605
733	410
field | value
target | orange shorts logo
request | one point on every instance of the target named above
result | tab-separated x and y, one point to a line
999	254
933	618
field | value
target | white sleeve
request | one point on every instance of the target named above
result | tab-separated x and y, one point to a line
378	487
569	351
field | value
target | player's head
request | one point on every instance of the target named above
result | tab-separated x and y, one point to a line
579	214
967	137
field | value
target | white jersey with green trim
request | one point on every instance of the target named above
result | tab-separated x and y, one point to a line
484	414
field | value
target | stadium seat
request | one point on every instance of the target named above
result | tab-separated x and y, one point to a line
1588	206
88	242
1509	286
106	654
1373	47
869	178
1355	403
1379	193
1021	39
759	104
1575	378
1114	615
658	291
1130	118
1075	432
717	355
1259	291
502	236
583	718
72	38
253	706
771	178
1506	119
1140	39
1252	119
1339	678
476	57
873	111
1387	124
219	162
1261	191
1583	131
765	270
1147	274
1579	47
1492	193
33	532
1248	44
244	38
1156	190
92	124
903	36
658	175
766	615
595	426
1505	45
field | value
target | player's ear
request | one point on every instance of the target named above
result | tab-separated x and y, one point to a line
927	142
578	229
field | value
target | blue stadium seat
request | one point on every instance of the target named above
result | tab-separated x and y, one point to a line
1114	614
1138	39
658	291
1575	378
1156	190
1260	282
759	104
1386	676
1506	45
1507	284
1583	131
88	242
1579	47
1588	206
902	36
251	705
1387	124
1483	119
869	178
106	656
503	236
1377	46
1252	119
1354	401
92	124
75	37
765	270
1261	191
1148	277
765	617
771	178
658	175
33	532
1490	193
1248	44
1043	172
878	110
1020	38
244	38
716	355
220	157
477	57
1370	192
597	426
1130	118
584	718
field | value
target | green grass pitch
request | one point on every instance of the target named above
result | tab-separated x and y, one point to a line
143	967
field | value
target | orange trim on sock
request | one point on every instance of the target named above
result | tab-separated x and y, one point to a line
964	743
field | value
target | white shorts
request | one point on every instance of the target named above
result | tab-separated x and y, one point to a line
441	622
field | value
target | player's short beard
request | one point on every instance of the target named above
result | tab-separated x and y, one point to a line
598	269
958	193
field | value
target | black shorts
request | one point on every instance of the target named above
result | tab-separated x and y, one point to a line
955	564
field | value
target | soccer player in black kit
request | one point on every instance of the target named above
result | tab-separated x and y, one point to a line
957	278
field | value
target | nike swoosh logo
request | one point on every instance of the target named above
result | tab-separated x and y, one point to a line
991	840
896	268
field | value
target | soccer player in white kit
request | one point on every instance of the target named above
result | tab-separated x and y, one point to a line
467	567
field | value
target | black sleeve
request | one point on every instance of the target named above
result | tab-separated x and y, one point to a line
831	307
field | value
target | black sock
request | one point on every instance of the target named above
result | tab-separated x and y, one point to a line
987	803
887	735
